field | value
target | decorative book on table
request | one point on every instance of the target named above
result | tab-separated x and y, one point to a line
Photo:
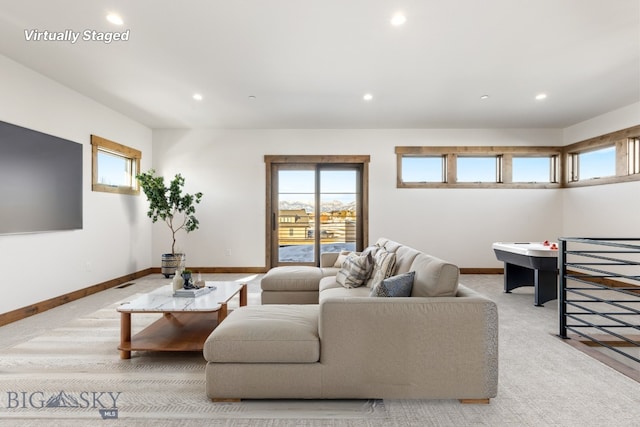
192	293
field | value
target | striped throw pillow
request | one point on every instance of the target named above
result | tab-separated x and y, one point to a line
384	264
355	270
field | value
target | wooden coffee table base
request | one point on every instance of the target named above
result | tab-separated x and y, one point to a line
174	331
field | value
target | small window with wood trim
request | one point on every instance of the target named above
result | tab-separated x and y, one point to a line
423	168
592	164
605	159
114	167
535	169
479	169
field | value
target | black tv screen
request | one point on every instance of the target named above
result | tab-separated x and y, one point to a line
40	181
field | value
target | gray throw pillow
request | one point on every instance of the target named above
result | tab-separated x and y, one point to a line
396	286
355	270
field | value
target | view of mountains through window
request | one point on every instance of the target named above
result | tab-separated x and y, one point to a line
305	206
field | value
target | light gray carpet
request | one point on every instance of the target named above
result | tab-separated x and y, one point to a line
73	349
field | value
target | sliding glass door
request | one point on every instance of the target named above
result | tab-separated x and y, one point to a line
316	207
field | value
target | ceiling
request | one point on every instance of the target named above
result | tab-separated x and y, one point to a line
308	63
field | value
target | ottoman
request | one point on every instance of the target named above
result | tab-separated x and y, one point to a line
291	285
257	348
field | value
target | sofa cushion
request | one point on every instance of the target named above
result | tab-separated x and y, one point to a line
434	277
404	258
266	334
291	278
342	293
328	271
329	283
355	271
395	286
383	266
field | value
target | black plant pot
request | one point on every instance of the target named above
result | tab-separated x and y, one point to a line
188	281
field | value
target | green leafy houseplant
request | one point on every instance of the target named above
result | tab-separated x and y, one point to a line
170	204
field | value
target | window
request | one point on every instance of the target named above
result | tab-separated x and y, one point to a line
423	169
478	167
535	169
114	167
606	159
592	164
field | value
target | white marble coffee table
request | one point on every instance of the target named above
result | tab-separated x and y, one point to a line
185	323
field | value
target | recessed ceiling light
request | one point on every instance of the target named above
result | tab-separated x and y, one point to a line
541	96
115	19
367	97
484	97
252	97
398	19
197	97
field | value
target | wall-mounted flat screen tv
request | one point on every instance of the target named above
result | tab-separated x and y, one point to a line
40	181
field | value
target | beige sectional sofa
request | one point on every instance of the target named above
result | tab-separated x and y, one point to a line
439	343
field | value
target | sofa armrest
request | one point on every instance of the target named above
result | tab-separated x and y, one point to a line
328	259
443	345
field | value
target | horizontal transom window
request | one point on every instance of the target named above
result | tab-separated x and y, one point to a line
471	167
610	158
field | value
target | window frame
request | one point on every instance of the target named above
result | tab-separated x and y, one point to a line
573	163
131	155
443	165
633	155
497	166
554	168
626	155
274	163
626	142
504	158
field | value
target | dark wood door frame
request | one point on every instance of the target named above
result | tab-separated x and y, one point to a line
271	213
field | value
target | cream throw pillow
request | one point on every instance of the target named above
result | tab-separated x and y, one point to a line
383	266
341	259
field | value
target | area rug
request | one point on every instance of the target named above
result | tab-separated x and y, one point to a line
74	374
67	357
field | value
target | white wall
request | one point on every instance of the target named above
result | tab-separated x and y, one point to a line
612	121
115	239
604	210
458	225
228	167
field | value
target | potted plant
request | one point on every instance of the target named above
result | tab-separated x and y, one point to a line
173	207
